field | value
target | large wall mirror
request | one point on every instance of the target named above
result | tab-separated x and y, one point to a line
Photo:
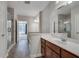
68	19
64	20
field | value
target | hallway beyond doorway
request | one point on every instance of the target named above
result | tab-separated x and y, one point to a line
21	30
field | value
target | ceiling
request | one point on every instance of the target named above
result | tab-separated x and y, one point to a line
31	9
66	9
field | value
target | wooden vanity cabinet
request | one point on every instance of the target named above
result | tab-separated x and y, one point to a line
53	47
43	47
50	50
50	53
66	54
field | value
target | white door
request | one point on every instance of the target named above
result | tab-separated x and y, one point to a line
3	19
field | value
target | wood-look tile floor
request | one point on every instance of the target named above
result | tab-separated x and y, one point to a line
20	50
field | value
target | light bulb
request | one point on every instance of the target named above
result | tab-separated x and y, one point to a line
57	2
69	2
36	20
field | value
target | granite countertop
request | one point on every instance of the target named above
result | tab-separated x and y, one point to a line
68	45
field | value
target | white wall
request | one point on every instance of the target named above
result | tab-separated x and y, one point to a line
48	17
34	44
45	18
54	18
75	21
3	20
34	27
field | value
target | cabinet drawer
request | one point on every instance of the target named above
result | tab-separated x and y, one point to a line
66	54
43	52
53	47
51	54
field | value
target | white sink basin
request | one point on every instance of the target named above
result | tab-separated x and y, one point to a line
61	41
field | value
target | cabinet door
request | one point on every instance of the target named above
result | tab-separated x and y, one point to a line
53	47
66	54
43	47
50	53
43	51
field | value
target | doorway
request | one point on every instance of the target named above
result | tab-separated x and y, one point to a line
21	30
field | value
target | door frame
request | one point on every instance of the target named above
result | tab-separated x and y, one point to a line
17	29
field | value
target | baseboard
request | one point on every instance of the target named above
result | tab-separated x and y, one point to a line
9	50
35	55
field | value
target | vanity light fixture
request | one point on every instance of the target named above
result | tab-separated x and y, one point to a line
57	2
66	2
63	3
66	22
69	2
36	21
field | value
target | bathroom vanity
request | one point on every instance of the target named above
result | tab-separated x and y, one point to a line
51	47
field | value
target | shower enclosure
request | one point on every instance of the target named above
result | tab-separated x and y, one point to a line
10	26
